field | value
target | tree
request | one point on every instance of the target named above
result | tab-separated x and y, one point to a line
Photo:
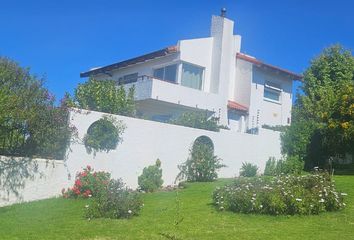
30	123
105	96
323	119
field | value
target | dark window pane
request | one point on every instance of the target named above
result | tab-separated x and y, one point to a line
170	73
158	73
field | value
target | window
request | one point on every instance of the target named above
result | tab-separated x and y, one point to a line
168	73
272	92
192	76
128	78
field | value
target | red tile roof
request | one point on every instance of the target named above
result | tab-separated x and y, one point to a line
236	106
160	53
257	62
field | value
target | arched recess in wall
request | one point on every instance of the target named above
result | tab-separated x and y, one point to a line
204	140
103	135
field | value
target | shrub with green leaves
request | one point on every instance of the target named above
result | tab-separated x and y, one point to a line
201	166
117	201
281	195
289	165
248	170
104	135
151	178
197	120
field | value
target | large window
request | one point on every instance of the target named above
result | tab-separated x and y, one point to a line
168	73
192	76
272	92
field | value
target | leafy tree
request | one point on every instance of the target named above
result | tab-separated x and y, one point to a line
30	123
323	116
105	96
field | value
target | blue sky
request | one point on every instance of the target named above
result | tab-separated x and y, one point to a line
60	39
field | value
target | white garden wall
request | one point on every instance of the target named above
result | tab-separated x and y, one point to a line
47	182
144	141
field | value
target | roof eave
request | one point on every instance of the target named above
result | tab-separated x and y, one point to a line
160	53
292	75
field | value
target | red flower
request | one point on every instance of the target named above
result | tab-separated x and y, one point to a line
78	183
88	167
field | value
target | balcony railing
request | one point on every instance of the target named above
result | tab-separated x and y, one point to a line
141	78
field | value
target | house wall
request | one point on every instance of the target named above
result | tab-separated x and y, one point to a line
267	112
198	52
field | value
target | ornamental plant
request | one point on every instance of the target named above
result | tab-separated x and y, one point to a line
201	166
104	135
248	170
281	195
151	178
88	183
116	201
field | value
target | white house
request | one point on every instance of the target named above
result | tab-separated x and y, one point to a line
207	74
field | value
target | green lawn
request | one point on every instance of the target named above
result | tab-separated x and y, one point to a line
63	219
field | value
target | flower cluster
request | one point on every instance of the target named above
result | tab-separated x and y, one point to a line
88	183
281	195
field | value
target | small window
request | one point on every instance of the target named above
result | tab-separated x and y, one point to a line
168	73
192	76
272	91
128	78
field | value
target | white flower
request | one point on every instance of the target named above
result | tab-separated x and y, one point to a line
86	206
261	206
89	195
298	199
322	200
343	194
129	211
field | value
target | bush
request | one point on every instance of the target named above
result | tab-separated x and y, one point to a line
105	96
282	195
201	166
104	135
290	165
151	178
270	167
117	201
87	184
248	170
197	120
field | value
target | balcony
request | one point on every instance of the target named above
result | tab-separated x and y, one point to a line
150	88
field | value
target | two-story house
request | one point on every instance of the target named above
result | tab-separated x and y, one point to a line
210	75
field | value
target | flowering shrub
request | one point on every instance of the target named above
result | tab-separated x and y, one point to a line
282	195
116	201
151	178
88	183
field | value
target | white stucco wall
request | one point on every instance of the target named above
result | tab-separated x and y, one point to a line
144	141
51	177
268	112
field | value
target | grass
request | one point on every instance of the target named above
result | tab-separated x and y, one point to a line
63	219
